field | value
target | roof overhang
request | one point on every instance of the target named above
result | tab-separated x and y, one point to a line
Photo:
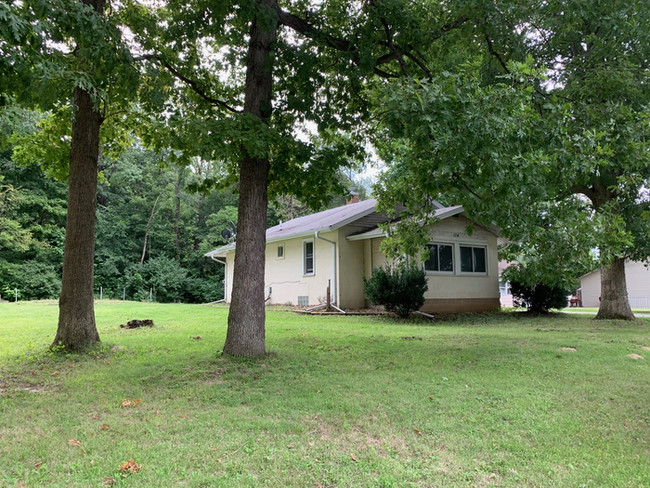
221	252
440	214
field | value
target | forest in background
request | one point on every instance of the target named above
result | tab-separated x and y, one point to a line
153	225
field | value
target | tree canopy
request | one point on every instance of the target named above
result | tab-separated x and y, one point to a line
553	149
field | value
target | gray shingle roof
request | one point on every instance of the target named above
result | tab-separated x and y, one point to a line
324	221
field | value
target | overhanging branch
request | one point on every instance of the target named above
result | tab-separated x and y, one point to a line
193	84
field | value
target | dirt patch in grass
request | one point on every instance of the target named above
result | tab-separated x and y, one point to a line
568	349
14	386
635	356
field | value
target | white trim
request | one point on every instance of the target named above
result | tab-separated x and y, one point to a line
473	273
371	234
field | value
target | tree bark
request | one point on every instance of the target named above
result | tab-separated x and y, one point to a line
76	328
614	303
246	334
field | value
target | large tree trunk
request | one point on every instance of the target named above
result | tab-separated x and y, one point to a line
246	334
77	328
614	302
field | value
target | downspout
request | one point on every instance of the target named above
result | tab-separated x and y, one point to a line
225	277
334	282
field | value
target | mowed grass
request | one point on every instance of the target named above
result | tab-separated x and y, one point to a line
340	401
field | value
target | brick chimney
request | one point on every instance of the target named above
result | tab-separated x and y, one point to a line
354	198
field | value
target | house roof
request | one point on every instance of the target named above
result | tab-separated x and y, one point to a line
324	221
361	215
440	214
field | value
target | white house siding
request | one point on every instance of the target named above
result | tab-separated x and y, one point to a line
458	292
463	292
351	293
590	286
637	278
284	276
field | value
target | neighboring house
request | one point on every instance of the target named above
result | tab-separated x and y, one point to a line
342	245
504	286
637	277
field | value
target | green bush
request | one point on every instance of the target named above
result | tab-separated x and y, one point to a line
400	289
538	298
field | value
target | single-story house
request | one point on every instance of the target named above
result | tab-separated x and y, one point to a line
637	278
342	246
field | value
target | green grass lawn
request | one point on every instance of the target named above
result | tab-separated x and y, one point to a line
340	401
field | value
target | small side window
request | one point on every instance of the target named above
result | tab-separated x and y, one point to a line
280	252
308	257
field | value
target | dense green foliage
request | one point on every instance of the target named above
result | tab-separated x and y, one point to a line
140	194
180	229
544	132
537	297
400	288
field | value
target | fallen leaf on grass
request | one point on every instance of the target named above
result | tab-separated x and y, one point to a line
56	373
74	442
38	465
104	427
130	403
92	462
21	484
197	338
130	467
109	481
430	399
417	432
353	456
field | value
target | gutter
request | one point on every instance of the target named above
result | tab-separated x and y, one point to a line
333	262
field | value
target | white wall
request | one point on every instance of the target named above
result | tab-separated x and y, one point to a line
464	285
637	278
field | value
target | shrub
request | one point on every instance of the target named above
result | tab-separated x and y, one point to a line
537	292
400	290
538	298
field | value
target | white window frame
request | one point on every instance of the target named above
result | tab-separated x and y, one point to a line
304	257
277	251
460	264
454	259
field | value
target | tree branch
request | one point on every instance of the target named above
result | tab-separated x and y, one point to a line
193	84
494	53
